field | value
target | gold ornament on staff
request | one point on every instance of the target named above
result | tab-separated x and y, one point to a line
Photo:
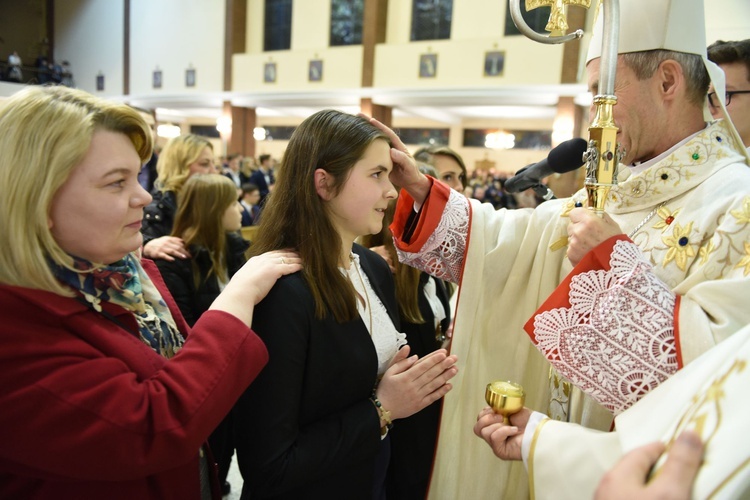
558	23
505	398
604	154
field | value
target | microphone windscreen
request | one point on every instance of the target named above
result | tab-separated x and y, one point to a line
567	156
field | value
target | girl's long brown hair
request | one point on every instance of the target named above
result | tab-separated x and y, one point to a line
294	215
201	205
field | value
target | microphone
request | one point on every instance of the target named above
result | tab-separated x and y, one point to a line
565	157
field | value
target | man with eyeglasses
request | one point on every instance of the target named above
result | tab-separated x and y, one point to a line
734	59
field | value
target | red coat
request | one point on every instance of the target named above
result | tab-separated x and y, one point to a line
87	410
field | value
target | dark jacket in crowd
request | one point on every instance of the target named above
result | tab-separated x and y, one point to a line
259	179
158	216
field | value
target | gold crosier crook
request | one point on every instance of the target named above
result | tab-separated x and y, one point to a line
558	23
603	154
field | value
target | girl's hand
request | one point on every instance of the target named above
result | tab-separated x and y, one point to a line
411	384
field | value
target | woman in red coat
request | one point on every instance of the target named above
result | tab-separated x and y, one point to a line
104	393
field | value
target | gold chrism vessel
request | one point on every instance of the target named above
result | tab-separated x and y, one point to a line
505	398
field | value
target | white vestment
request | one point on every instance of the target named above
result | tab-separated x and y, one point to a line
709	396
510	261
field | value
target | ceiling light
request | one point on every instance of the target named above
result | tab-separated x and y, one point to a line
168	130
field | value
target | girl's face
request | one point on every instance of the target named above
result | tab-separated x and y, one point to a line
360	206
204	164
232	219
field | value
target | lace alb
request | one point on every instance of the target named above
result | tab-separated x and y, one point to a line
616	342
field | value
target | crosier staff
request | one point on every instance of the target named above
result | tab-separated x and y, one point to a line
603	154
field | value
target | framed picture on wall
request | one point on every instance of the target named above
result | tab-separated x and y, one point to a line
157	79
494	63
315	70
99	82
427	66
269	72
190	77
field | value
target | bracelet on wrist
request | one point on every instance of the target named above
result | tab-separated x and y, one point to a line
384	414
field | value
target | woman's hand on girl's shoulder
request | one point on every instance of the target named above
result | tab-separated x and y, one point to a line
258	275
252	282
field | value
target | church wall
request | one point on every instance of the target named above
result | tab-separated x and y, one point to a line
90	34
173	35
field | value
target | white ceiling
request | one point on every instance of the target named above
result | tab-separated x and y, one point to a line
450	106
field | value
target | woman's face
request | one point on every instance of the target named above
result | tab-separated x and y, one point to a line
96	214
204	164
232	219
449	171
360	206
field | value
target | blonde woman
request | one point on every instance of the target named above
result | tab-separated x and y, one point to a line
102	383
450	167
182	157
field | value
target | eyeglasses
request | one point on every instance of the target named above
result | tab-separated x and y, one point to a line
729	93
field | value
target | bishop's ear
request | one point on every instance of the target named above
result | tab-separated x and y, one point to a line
323	182
671	77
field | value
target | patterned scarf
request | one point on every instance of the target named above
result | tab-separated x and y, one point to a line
126	284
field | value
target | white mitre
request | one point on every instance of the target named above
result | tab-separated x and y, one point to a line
677	25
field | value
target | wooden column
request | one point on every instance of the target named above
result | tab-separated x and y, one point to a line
565	185
243	122
572	49
243	119
50	21
235	34
384	114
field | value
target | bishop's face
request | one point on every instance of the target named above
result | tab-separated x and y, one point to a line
638	114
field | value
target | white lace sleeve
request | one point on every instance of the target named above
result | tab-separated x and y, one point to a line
442	255
616	342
